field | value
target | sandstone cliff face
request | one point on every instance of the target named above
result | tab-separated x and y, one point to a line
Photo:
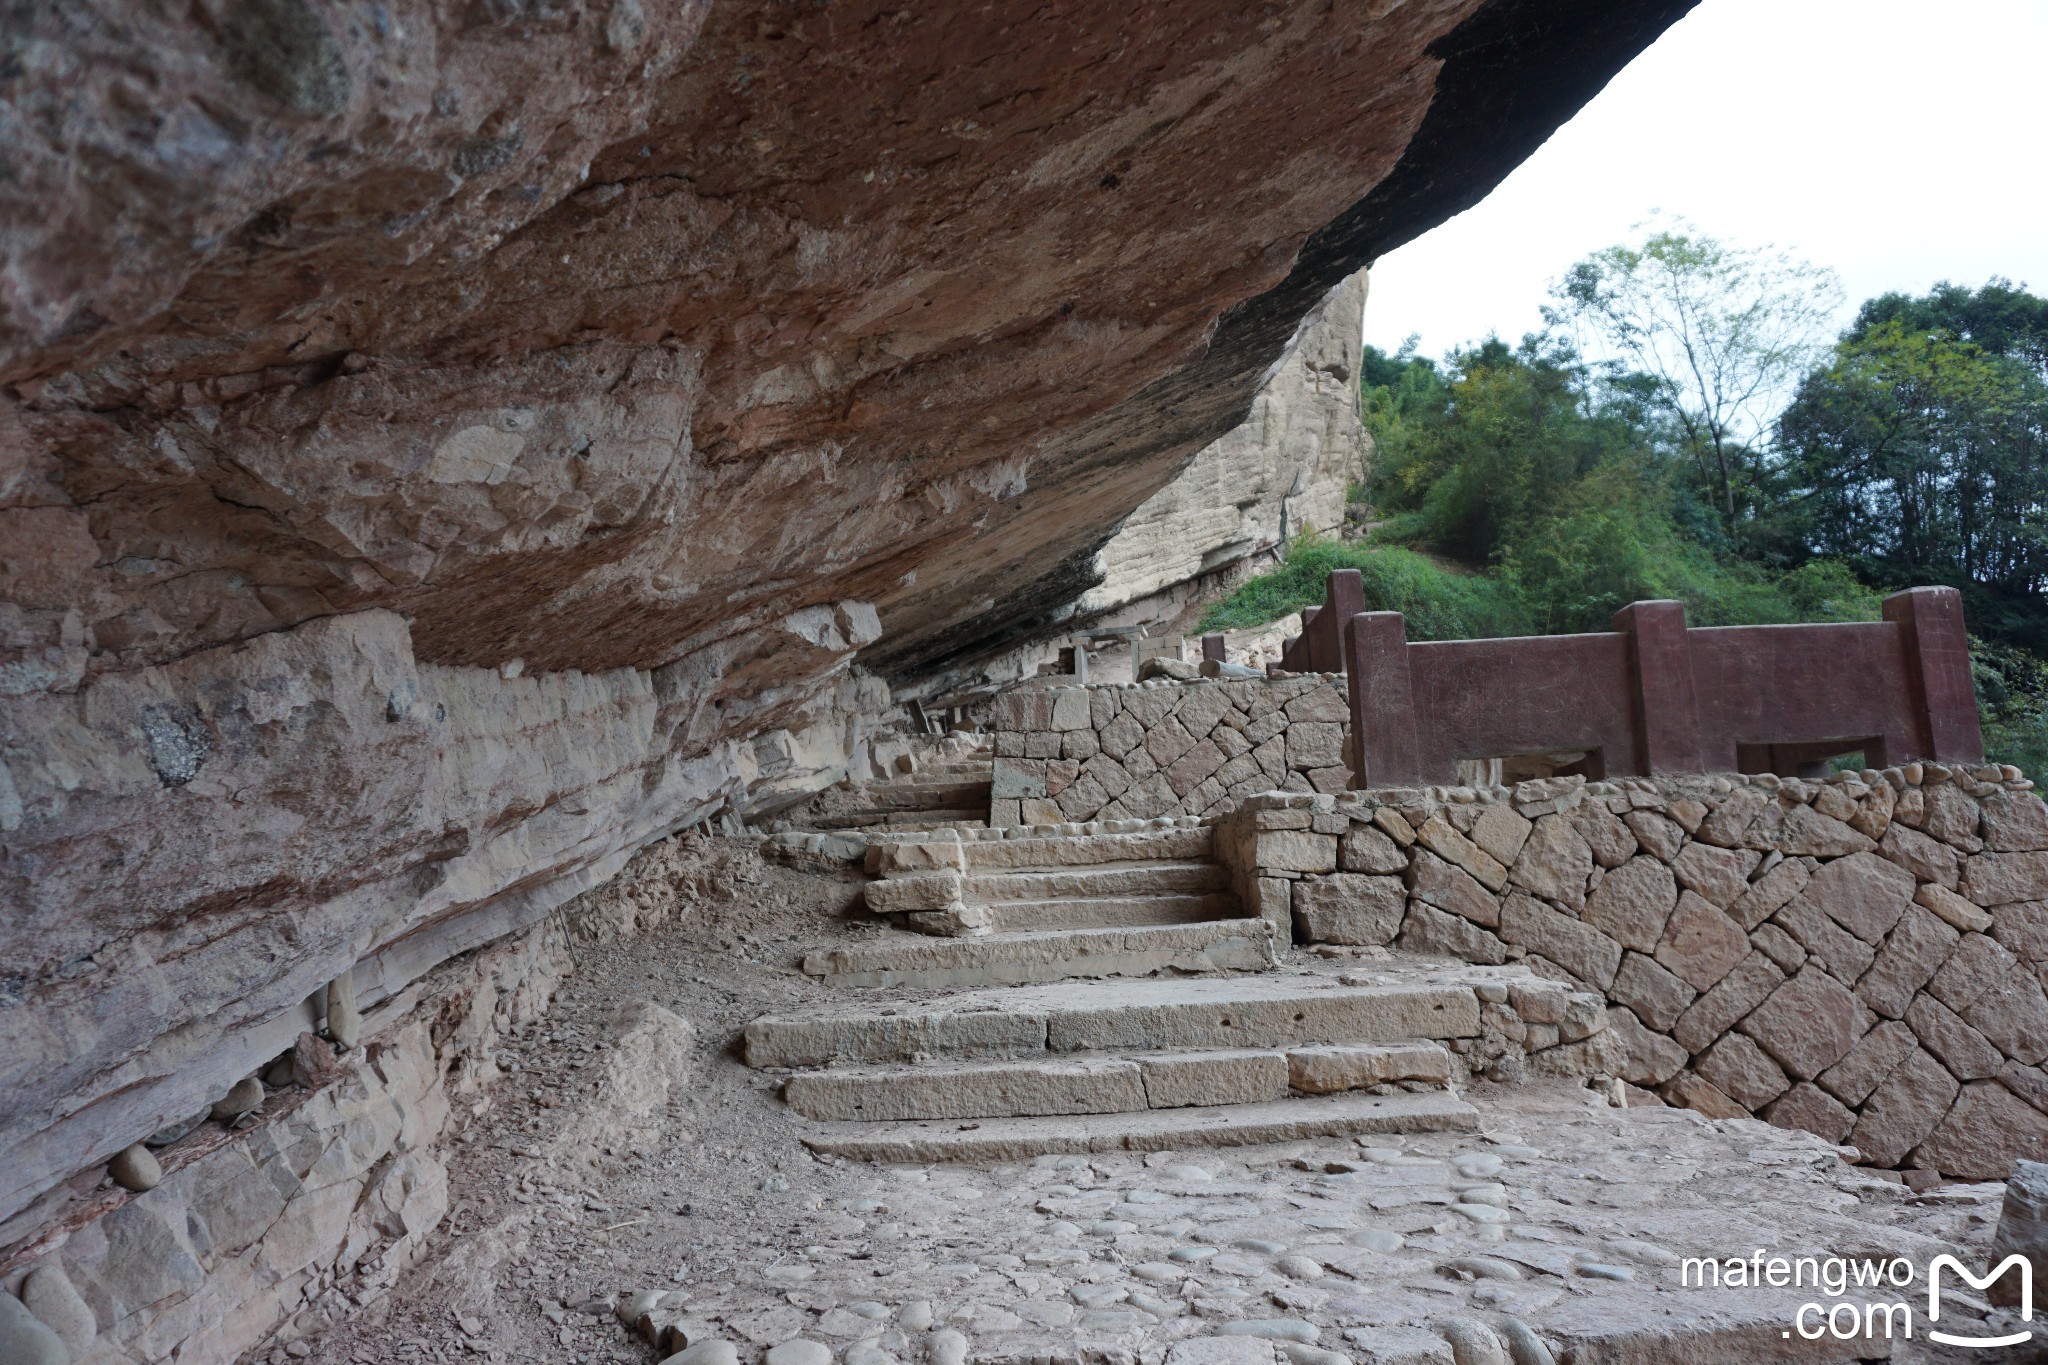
442	447
1286	470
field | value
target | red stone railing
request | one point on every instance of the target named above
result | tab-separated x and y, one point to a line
1652	696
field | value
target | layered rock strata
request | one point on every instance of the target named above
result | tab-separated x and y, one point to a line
1285	471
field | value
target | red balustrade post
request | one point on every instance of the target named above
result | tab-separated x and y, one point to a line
1383	739
1667	717
1937	655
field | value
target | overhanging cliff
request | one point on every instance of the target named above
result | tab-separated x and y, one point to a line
443	448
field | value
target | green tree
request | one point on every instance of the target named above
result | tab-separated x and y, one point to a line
1722	334
1921	455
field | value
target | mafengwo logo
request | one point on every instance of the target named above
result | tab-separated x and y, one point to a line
1854	1312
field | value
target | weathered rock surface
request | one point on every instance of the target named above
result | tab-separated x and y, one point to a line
441	454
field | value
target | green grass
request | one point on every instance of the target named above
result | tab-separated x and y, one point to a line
1440	604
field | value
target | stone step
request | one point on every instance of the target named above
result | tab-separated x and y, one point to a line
1152	1130
908	821
1109	912
1108	1085
1151	877
1033	852
1121	1016
1016	959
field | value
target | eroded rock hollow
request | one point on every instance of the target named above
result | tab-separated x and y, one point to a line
445	447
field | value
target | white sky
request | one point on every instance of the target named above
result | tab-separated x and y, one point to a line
1898	142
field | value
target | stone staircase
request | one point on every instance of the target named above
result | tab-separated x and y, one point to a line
951	791
1025	1049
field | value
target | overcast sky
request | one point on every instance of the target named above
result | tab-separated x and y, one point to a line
1898	142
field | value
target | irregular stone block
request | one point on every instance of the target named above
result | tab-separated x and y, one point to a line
1021	709
1433	931
1808	1024
1291	850
1988	1130
1660	837
1330	1068
1714	1013
1961	914
918	891
1966	1053
1347	907
1315	745
1779	946
1433	880
1070	709
1539	1002
1698	1093
1951	817
1167	741
1438	836
1582	950
1701	945
1845	956
1907	962
1555	862
1603	1054
1876	1055
1194	767
1502	833
1121	735
1808	1107
1809	832
1771	892
1366	849
1200	708
2013	1015
1738	1068
1657	997
1718	875
1651	1058
1863	893
1633	903
1189	1079
1978	963
1994	879
1927	859
1017	778
1728	824
1903	1110
2014	822
1612	842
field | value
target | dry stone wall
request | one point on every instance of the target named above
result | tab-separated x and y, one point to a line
1072	754
1863	958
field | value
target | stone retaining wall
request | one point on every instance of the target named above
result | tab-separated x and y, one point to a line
1862	958
1119	752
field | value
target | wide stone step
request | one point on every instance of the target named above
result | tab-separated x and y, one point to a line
1016	959
1110	912
1153	877
915	795
1054	851
1152	1130
1121	1016
1108	1085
